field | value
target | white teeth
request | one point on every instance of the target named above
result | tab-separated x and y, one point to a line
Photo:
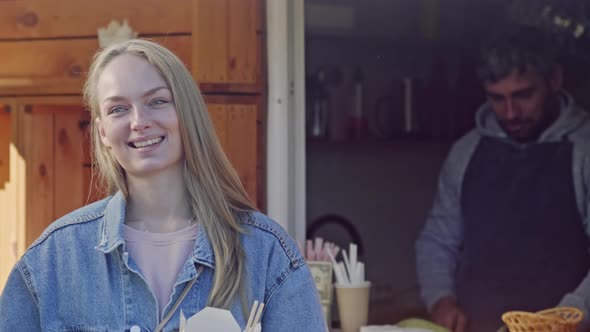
148	142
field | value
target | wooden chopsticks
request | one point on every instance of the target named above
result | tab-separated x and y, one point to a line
254	318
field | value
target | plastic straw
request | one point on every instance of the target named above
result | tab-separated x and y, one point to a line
347	264
337	272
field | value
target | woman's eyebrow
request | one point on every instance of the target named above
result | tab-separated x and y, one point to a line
147	93
154	90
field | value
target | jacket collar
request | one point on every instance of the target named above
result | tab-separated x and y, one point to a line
112	233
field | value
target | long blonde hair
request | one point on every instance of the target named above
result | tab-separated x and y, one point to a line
216	193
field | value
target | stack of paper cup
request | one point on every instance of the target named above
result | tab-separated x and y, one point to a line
353	305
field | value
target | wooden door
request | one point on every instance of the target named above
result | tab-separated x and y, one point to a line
226	44
236	121
48	143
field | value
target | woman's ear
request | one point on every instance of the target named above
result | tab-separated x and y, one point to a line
101	132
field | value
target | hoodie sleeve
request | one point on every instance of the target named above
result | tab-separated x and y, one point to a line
580	297
438	245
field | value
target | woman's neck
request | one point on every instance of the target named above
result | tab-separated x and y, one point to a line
159	203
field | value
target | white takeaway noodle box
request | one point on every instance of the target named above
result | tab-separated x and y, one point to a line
212	320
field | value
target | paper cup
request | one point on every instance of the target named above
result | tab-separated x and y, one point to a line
353	305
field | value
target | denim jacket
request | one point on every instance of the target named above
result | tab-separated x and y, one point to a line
78	276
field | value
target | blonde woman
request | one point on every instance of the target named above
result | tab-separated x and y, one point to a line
177	233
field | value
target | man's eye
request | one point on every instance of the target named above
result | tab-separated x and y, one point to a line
523	94
496	99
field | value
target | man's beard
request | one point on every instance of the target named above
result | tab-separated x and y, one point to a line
526	130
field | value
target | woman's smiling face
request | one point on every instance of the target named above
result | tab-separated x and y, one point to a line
138	119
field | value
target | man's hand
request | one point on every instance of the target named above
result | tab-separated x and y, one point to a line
447	313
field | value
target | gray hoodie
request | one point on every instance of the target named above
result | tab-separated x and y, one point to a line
438	246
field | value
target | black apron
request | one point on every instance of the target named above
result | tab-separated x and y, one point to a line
524	244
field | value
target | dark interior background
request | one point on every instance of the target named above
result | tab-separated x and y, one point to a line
381	180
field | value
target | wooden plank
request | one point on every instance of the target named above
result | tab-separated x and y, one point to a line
18	170
258	102
93	191
243	46
58	66
230	99
84	127
8	226
218	116
230	88
38	127
5	237
229	60
69	159
210	41
53	100
261	59
242	143
5	137
261	151
9	222
8	232
25	19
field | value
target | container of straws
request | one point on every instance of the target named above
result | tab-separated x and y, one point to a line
352	291
317	253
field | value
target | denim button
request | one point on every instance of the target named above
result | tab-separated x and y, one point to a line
135	328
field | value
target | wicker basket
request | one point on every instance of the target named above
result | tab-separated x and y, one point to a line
560	319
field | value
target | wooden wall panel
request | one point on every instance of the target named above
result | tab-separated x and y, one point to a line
18	172
69	160
6	237
25	19
92	189
239	121
5	139
228	60
210	66
8	206
38	128
59	66
86	139
243	46
236	126
218	116
241	144
9	225
67	100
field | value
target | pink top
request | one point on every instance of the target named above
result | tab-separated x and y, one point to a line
160	257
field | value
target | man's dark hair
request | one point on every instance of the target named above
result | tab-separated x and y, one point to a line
518	47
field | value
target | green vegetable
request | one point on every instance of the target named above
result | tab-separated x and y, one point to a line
421	323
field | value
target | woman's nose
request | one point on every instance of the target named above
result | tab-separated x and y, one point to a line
140	118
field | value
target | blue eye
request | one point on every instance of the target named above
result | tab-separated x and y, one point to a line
116	109
159	102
